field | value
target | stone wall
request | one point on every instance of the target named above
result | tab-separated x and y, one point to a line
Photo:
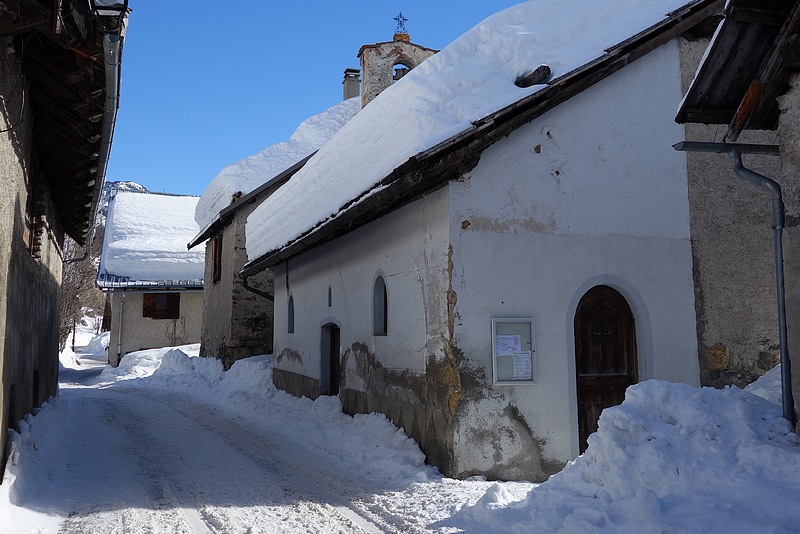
30	262
734	272
789	130
236	322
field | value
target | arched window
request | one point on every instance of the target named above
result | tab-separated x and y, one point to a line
290	315
380	308
400	69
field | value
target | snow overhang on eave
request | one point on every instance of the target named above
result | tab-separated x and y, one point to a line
139	285
256	195
451	158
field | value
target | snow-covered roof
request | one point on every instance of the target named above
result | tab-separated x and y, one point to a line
247	174
145	242
471	78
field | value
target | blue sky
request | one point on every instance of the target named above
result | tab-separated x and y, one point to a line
206	84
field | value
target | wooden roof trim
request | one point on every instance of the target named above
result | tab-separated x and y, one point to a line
770	81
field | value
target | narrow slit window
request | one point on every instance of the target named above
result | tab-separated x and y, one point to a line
290	315
216	259
380	308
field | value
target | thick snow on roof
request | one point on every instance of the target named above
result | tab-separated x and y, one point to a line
249	173
469	79
146	236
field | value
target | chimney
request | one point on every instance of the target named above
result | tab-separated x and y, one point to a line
351	85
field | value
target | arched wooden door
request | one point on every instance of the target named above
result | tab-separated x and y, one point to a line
605	355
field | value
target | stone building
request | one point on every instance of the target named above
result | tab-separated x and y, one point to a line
238	313
59	90
747	91
491	288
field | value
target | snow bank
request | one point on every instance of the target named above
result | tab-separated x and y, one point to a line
249	173
368	444
472	77
671	458
146	236
143	363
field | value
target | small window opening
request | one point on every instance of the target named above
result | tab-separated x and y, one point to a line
290	315
216	259
330	297
161	305
380	308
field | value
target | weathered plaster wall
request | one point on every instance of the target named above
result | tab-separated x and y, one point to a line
407	374
236	323
590	193
734	273
789	130
140	332
29	283
378	60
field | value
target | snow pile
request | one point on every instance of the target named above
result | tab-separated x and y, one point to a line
142	364
469	79
249	173
146	237
671	458
367	444
98	344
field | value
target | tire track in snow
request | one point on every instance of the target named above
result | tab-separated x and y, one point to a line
258	451
255	446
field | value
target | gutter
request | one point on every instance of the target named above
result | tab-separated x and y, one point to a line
112	57
735	151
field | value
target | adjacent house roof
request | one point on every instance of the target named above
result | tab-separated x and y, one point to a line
746	67
432	125
145	242
71	57
248	174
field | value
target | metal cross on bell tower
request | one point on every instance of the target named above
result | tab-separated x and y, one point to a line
401	23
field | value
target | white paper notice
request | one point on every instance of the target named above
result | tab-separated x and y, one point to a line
523	368
507	345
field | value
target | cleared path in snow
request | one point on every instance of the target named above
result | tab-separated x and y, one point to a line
193	451
163	463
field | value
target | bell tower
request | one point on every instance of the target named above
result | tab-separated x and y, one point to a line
382	64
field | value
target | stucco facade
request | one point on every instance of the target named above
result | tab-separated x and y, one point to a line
238	322
585	195
132	331
30	263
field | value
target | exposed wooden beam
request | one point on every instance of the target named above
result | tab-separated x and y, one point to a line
25	25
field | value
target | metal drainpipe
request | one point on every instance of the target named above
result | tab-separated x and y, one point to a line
735	151
254	290
119	330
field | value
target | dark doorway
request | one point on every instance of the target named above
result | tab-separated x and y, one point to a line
331	374
605	355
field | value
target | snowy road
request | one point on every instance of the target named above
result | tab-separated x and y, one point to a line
189	468
131	456
168	443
